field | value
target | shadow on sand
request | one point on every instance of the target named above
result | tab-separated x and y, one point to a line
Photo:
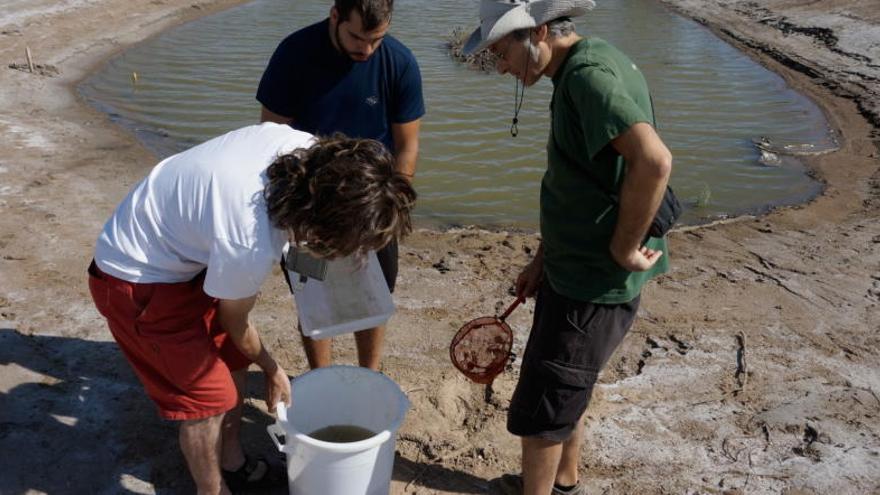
75	419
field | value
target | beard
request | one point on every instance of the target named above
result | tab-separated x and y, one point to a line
533	58
354	56
532	52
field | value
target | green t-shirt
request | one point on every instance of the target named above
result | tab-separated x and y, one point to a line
598	94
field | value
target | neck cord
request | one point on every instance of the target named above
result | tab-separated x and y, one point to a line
520	93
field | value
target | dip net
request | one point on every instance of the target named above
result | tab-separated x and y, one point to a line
481	348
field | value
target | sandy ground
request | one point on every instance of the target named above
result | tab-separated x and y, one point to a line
753	367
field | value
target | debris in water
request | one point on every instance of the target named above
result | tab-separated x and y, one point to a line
483	60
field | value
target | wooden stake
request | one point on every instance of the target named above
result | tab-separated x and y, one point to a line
30	60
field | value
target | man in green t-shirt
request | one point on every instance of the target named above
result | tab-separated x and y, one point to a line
607	171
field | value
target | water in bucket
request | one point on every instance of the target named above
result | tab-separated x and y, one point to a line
325	399
341	434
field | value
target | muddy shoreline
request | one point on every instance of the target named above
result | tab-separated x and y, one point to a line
795	293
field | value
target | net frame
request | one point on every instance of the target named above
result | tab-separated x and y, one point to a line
493	351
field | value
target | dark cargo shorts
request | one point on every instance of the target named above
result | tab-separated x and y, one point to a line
568	346
388	260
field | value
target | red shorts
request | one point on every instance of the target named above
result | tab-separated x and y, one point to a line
169	336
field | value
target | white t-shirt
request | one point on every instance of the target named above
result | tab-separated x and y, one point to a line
202	208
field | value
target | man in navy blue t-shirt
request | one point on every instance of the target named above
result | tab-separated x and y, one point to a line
345	74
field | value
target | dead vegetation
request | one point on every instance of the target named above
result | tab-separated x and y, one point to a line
455	41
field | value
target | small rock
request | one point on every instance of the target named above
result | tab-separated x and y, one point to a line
441	266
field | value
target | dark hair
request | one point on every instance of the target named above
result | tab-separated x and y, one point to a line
374	13
341	196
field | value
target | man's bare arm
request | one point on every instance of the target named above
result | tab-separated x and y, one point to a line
232	314
406	146
648	166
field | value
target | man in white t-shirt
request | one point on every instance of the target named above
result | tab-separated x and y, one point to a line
179	264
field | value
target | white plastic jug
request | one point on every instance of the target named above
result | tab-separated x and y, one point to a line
340	395
351	297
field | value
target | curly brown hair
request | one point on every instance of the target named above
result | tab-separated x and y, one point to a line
341	196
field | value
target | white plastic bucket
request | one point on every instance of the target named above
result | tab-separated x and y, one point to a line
352	297
340	395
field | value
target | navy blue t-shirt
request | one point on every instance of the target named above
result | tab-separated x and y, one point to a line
324	91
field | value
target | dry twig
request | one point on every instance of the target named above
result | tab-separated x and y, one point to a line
30	59
741	368
761	475
418	474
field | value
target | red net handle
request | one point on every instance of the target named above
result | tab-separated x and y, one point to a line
510	308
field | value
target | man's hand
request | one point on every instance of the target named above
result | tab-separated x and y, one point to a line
529	279
277	387
638	260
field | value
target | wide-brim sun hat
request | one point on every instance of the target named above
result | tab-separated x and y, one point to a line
498	18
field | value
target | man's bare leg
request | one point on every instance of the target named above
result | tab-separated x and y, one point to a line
318	352
569	463
200	443
540	460
231	453
369	346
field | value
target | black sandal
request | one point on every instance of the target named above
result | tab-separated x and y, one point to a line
254	473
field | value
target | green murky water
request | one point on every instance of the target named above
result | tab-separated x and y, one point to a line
199	80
